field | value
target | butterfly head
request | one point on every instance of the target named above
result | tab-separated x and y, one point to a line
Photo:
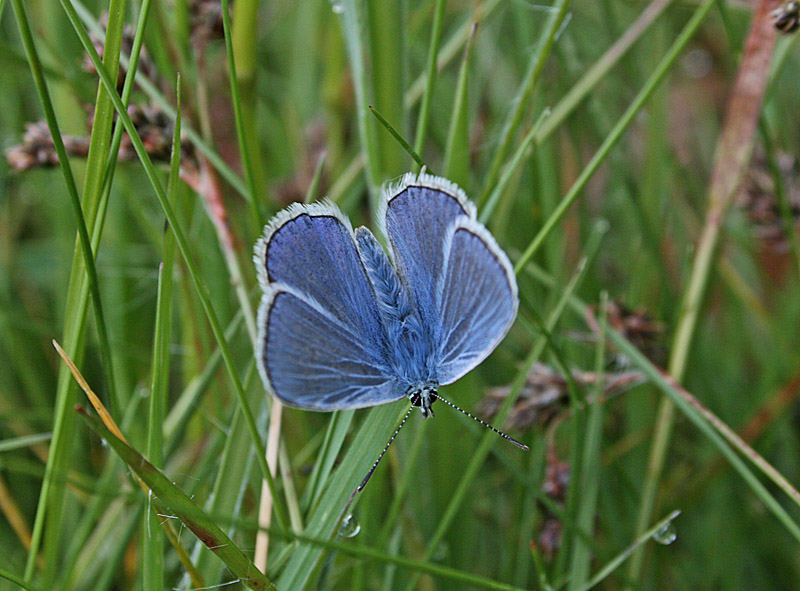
423	395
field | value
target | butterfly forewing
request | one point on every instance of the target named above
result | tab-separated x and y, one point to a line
416	215
460	280
321	341
311	249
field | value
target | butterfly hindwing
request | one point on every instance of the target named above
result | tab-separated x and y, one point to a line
478	299
308	358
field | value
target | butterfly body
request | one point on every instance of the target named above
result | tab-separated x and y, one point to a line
344	325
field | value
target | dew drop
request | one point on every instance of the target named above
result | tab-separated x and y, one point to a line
337	6
350	527
666	534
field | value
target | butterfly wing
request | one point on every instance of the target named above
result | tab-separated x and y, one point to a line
321	344
461	281
478	299
415	215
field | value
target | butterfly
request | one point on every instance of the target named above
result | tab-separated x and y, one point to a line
343	325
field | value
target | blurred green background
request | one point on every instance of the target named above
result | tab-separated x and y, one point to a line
549	115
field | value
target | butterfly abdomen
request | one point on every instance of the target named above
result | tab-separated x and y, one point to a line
404	331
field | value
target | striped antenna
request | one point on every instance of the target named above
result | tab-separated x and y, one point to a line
385	449
484	423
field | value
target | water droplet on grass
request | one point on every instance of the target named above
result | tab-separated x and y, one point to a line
350	527
666	535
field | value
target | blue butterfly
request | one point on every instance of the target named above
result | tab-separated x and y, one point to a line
342	325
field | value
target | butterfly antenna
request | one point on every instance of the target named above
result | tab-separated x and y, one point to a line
482	422
383	453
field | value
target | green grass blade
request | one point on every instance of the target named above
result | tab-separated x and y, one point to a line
387	61
313	186
49	515
456	155
430	77
369	553
520	155
659	72
524	94
185	509
590	471
242	67
324	519
601	68
152	542
353	26
615	563
4	574
337	430
14	443
188	400
84	242
225	497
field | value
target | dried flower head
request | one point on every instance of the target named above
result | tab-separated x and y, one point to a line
545	395
37	150
637	326
759	201
153	126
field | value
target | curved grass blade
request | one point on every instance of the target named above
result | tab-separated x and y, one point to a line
9	576
614	563
190	514
111	425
